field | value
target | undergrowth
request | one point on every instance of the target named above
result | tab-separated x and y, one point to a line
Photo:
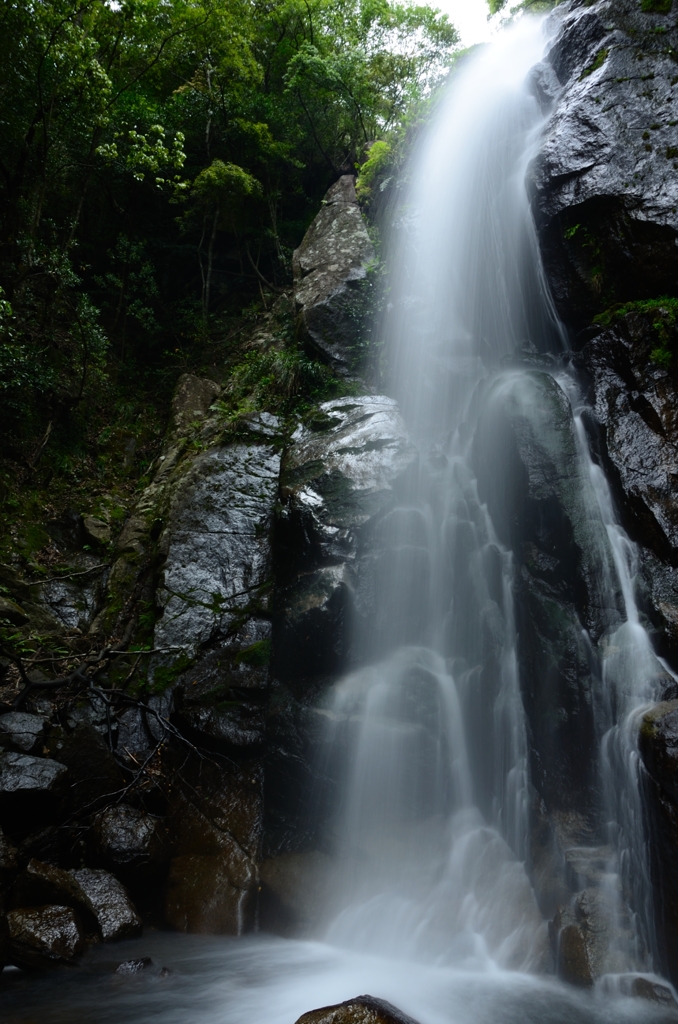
664	313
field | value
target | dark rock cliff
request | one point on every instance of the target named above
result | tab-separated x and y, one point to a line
239	582
604	191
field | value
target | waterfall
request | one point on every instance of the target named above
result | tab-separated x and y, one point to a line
439	803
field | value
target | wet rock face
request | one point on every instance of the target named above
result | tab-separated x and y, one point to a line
201	897
216	543
528	473
44	937
604	183
293	892
340	476
21	731
634	432
329	266
634	398
130	842
344	471
116	916
93	775
658	743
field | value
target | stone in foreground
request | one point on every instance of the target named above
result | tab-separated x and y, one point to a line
115	913
361	1010
44	937
21	731
134	966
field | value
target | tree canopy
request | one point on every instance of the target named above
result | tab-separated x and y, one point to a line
159	159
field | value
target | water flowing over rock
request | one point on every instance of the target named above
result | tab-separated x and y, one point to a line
603	188
410	687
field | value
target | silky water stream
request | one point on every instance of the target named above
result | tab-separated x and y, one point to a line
432	905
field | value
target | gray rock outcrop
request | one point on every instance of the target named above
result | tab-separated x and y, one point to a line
329	266
21	731
217	559
604	183
344	471
604	190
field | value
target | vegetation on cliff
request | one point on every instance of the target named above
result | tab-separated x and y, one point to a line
160	159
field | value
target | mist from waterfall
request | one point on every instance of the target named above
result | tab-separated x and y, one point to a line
433	825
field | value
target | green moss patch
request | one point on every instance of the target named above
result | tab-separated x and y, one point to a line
257	655
656	6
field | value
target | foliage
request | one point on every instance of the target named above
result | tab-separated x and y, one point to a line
664	314
656	6
279	380
378	159
159	161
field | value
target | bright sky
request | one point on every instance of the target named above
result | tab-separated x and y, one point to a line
469	16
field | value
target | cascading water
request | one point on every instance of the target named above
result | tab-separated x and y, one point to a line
433	829
439	901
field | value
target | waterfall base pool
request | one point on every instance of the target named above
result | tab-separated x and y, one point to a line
273	981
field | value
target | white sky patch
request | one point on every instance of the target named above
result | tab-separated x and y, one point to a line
470	18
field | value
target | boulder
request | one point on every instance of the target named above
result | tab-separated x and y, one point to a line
604	183
21	731
134	966
39	884
44	937
129	842
30	788
192	398
361	1010
653	992
115	912
328	267
97	530
572	963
